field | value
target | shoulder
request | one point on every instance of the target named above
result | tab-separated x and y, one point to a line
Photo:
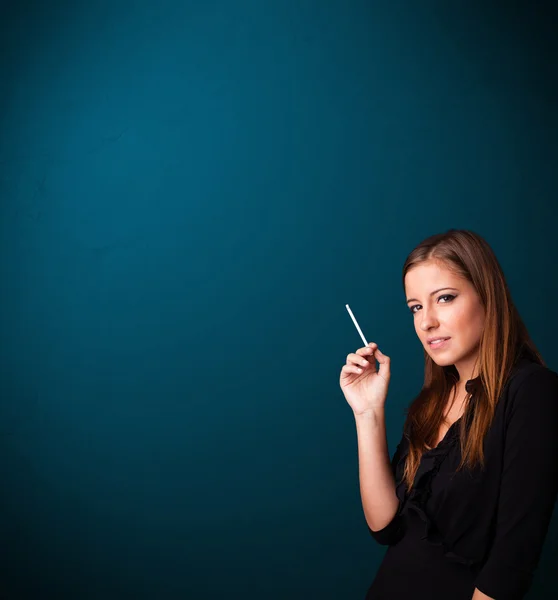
534	387
530	375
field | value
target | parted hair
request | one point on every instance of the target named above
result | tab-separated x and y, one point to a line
503	340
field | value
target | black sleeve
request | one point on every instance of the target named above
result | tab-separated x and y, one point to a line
528	489
394	530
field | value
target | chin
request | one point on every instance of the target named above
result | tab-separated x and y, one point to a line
442	361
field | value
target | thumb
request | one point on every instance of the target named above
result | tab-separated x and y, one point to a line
385	365
382	358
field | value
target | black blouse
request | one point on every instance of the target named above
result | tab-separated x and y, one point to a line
495	519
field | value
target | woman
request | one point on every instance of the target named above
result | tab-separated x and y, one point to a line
465	504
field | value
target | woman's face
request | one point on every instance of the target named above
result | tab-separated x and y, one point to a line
446	306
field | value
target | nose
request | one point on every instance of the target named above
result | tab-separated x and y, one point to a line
428	320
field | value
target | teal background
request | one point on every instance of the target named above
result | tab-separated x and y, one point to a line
190	194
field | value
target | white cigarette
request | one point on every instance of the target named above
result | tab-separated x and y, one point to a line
356	325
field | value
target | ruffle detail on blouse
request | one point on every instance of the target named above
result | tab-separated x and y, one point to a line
421	491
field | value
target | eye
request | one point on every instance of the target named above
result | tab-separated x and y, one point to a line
450	296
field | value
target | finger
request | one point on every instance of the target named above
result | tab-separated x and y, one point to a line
357	359
385	364
365	351
381	355
351	369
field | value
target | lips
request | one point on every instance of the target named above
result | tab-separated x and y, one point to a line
438	339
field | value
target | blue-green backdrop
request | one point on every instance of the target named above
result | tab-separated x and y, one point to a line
190	194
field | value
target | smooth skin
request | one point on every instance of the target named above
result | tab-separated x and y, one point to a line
365	387
455	310
442	304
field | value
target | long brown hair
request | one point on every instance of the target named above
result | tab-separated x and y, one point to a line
504	338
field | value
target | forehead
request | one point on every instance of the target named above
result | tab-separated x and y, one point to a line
430	276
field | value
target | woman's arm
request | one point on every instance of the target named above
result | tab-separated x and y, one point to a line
377	483
528	489
478	595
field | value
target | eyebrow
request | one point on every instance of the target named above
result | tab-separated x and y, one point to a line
434	292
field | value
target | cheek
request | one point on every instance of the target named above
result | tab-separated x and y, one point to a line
459	319
478	325
466	323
